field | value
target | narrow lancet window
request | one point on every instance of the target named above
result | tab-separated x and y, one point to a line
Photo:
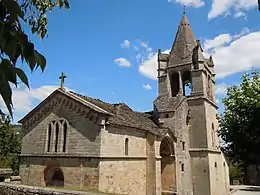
65	128
183	145
213	135
209	86
49	138
126	146
56	137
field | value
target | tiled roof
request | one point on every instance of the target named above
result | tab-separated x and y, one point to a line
166	104
184	43
122	115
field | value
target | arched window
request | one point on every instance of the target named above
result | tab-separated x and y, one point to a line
65	128
187	85
213	134
126	146
56	136
49	138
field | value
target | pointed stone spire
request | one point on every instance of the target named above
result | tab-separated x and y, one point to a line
185	41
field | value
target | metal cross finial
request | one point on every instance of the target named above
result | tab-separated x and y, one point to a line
184	9
62	79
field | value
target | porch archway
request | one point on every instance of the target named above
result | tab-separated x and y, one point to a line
168	166
53	176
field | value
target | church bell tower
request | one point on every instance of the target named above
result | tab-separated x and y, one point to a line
186	82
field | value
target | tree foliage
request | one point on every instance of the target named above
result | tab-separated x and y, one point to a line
236	172
239	124
15	43
10	144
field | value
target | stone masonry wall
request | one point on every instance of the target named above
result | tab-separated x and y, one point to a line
200	173
178	125
212	126
120	176
113	142
79	173
218	174
14	189
120	172
83	135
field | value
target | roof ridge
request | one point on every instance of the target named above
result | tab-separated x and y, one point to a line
75	95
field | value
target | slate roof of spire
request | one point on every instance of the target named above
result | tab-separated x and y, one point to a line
185	41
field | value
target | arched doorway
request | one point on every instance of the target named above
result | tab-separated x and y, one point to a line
53	176
168	168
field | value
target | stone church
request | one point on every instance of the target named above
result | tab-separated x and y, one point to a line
77	142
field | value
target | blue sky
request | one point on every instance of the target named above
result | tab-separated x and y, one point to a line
108	48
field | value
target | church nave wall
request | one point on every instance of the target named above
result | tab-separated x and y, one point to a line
122	142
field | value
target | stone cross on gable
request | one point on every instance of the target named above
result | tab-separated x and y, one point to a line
62	79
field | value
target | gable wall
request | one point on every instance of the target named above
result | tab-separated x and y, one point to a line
83	134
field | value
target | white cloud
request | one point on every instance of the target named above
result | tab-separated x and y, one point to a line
221	89
147	87
122	62
244	31
218	41
149	66
222	7
189	3
240	14
125	44
24	99
241	54
144	44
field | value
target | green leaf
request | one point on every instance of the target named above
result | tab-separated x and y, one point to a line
67	5
6	68
28	50
40	60
20	73
11	48
6	92
61	3
14	8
